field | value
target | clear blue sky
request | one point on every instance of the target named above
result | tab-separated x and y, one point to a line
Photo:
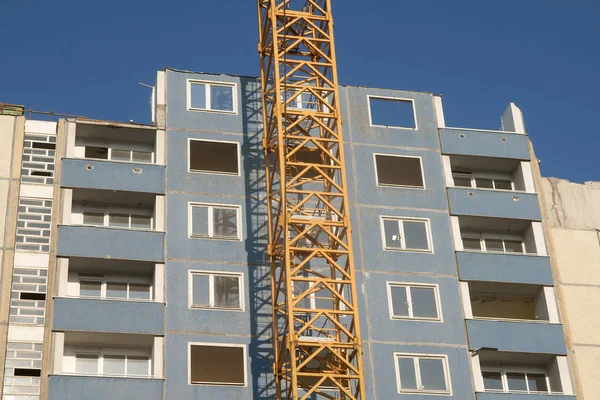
86	58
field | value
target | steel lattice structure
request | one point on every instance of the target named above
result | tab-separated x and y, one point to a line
317	345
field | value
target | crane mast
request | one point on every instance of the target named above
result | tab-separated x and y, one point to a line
316	334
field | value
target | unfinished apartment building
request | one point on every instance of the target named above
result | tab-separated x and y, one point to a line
134	257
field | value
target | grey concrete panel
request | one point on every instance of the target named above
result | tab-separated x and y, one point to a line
122	244
385	372
525	337
108	316
258	382
491	203
475	266
107	175
103	388
484	143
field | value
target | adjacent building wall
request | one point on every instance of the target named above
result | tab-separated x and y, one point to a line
572	214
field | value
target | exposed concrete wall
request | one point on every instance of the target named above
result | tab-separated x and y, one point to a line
572	217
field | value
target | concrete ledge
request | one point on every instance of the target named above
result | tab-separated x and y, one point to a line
522	396
475	266
491	203
484	143
64	387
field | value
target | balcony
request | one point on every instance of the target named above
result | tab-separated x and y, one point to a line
64	387
108	175
483	143
492	203
87	314
478	266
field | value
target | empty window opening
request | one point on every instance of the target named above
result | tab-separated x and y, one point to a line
509	301
422	374
100	153
406	234
399	171
397	113
222	365
32	296
413	301
40	145
33	372
41	173
211	96
216	291
215	222
218	157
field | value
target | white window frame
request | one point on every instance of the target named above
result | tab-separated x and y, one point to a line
206	344
125	146
103	352
415	358
424	187
372	96
472	176
197	171
211	290
495	236
208	84
105	279
427	222
117	210
211	206
503	370
410	316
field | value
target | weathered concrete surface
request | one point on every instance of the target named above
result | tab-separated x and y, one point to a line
572	205
577	255
7	124
3	199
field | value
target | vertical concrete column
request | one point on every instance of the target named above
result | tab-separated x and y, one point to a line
158	358
160	152
466	299
159	283
67	204
159	214
69	132
455	226
62	277
447	166
477	375
439	111
512	119
550	297
562	365
161	100
538	235
58	338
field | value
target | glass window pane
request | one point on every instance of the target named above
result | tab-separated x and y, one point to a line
484	183
399	301
121	220
423	302
537	383
493	245
471	243
120	155
114	365
415	235
513	246
92	218
198	96
227	291
86	364
200	290
392	234
139	291
100	153
90	289
433	376
503	184
200	221
516	381
137	366
141	156
492	380
141	221
116	290
221	98
462	181
408	376
225	222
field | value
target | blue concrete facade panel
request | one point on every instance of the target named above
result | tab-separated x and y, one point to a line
476	266
357	123
484	143
525	337
441	261
121	244
256	303
449	330
433	196
108	316
63	387
385	371
106	175
258	369
523	396
492	203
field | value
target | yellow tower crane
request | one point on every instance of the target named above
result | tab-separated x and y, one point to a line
316	334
